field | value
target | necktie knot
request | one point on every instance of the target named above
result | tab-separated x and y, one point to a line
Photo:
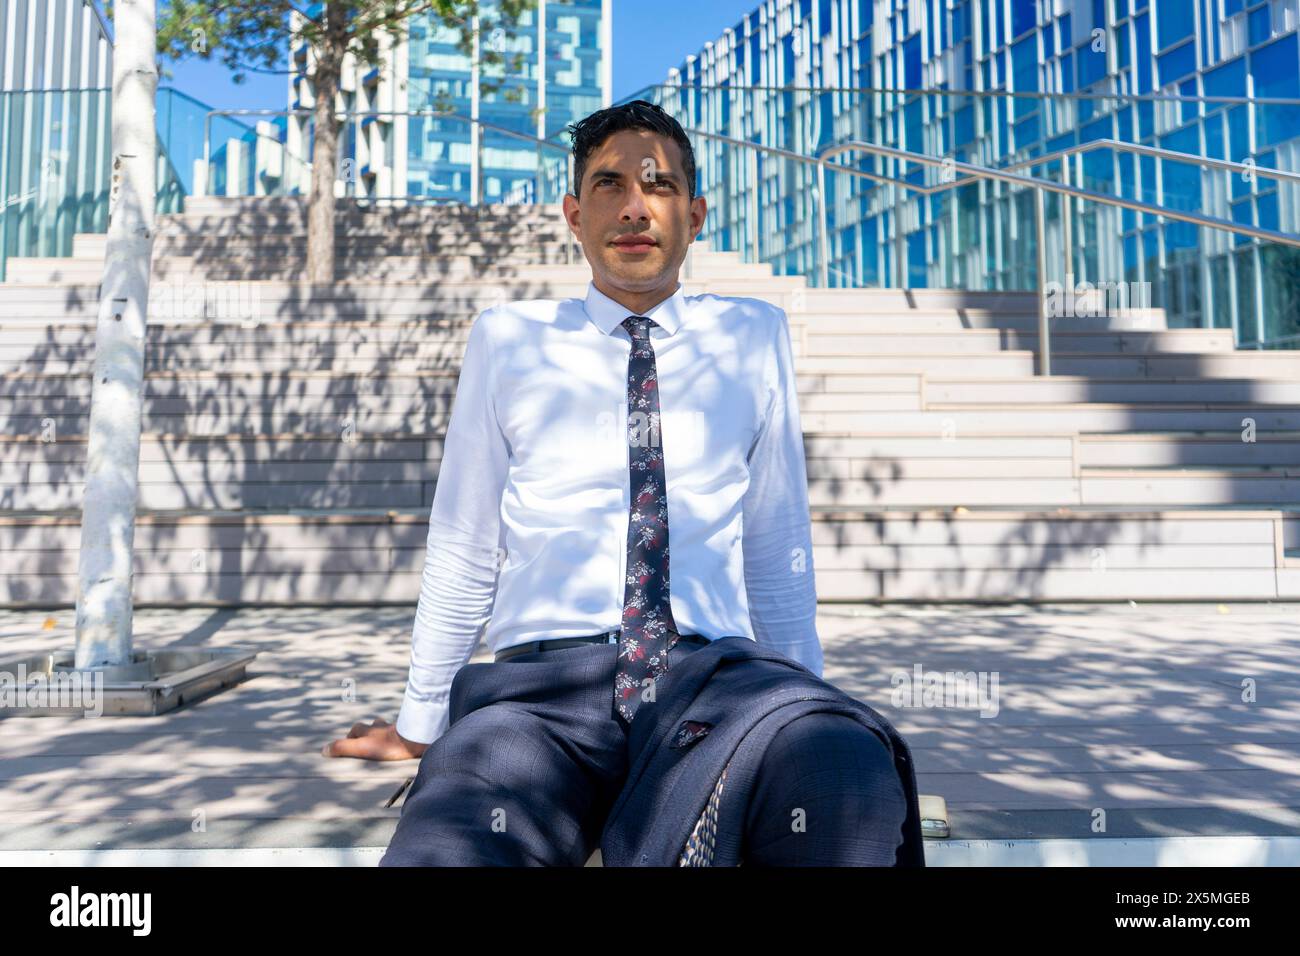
638	326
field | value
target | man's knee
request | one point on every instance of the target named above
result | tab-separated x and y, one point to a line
493	790
827	793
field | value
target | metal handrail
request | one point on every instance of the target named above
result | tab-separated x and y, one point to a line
1136	149
1158	153
1041	186
972	173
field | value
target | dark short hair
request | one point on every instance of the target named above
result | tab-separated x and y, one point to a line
589	133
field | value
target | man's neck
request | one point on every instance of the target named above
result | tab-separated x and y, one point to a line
637	303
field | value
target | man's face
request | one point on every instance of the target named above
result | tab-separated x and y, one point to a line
634	185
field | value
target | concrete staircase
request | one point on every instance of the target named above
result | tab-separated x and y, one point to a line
293	432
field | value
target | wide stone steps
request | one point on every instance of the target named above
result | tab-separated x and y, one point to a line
551	264
293	432
205	557
178	347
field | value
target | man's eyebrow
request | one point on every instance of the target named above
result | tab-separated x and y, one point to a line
659	174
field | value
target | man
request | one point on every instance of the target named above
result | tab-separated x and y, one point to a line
551	530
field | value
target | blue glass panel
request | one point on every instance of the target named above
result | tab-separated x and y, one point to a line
1146	118
1148	166
1180	235
914	120
960	23
1024	16
912	62
1028	132
1142	31
1238	133
1024	59
1266	203
1127	173
1228	79
1125	124
1190	107
1241	213
1098	129
1214	137
1276	71
1182	185
1060	142
1092	65
1098	169
1176	20
1176	64
1185	140
916	259
1151	248
964	125
1260	28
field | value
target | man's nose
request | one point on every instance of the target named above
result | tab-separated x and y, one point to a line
636	207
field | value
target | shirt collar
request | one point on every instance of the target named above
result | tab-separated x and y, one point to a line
607	315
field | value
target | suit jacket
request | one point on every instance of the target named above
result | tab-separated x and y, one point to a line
720	706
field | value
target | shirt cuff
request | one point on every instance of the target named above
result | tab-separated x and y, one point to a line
424	721
807	653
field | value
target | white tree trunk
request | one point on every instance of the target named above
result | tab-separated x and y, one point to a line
117	396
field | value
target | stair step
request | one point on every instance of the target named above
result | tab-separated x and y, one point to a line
897	554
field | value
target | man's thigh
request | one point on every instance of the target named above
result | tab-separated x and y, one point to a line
524	782
827	794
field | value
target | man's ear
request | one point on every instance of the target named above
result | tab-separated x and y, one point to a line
699	209
572	214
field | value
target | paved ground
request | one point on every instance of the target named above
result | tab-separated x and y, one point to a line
1134	712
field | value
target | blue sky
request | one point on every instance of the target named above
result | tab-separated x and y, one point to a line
649	37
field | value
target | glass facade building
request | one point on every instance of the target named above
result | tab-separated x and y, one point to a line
1001	82
56	58
565	72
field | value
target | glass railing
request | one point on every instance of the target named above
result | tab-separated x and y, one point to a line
861	220
879	232
55	158
520	167
236	154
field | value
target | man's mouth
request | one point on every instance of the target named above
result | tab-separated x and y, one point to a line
640	243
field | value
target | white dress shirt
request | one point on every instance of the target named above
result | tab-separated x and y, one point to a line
528	530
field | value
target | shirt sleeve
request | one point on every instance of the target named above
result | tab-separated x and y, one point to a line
458	585
777	525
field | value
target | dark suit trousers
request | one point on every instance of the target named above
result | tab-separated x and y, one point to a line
534	759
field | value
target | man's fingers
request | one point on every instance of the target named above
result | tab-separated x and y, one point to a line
350	747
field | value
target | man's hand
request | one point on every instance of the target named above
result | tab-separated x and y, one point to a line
378	740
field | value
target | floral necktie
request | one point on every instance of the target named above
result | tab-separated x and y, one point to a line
648	631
